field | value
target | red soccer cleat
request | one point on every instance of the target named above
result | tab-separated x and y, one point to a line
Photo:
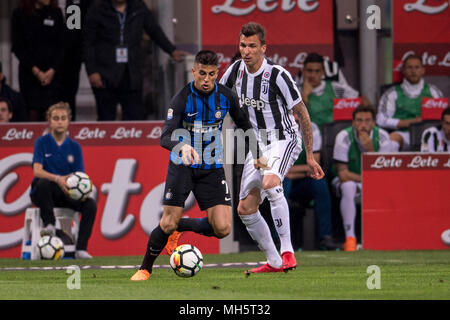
289	261
263	269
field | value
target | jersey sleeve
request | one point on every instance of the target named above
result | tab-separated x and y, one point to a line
385	142
317	138
229	77
173	121
288	89
341	147
386	110
38	152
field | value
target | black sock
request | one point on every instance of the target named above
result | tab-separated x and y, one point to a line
197	225
156	243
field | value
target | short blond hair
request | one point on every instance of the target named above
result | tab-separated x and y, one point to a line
59	105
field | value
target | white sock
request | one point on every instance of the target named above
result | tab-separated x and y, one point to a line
348	207
280	215
395	146
260	232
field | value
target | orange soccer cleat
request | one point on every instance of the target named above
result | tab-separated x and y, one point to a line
140	275
350	244
172	242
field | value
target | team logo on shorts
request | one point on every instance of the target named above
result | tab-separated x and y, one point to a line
70	158
218	114
169	114
169	195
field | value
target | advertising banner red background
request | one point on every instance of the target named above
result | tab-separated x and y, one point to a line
432	108
423	27
128	168
405	201
294	28
343	108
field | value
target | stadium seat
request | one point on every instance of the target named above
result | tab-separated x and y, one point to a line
66	220
329	132
416	130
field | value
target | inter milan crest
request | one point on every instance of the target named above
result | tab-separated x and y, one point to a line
218	114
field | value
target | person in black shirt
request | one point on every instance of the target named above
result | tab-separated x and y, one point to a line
73	57
37	40
18	110
197	111
112	53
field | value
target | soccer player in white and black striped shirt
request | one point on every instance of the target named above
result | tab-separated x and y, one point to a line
437	139
271	98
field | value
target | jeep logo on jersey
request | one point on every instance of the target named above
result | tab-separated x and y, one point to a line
245	101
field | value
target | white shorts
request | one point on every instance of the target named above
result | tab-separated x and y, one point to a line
281	155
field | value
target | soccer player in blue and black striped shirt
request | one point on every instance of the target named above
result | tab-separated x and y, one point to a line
192	133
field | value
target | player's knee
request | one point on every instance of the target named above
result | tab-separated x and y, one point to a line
168	225
223	230
246	208
348	189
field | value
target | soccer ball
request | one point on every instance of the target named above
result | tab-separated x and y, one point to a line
51	248
80	185
445	237
186	261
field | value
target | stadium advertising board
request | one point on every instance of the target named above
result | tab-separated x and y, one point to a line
285	21
423	27
405	200
343	108
128	168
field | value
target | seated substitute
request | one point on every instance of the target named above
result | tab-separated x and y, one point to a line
5	110
362	136
55	157
318	94
437	139
298	185
192	128
401	105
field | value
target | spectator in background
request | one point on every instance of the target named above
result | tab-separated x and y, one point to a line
5	110
17	103
37	40
55	157
437	139
318	94
400	106
299	186
112	54
362	136
72	61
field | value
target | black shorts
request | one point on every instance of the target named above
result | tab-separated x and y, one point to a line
208	185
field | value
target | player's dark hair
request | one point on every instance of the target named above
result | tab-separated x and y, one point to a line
253	28
207	57
446	112
412	56
8	103
313	57
365	108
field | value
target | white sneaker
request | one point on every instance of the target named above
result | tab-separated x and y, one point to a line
49	230
82	254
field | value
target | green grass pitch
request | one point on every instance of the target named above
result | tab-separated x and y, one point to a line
321	275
